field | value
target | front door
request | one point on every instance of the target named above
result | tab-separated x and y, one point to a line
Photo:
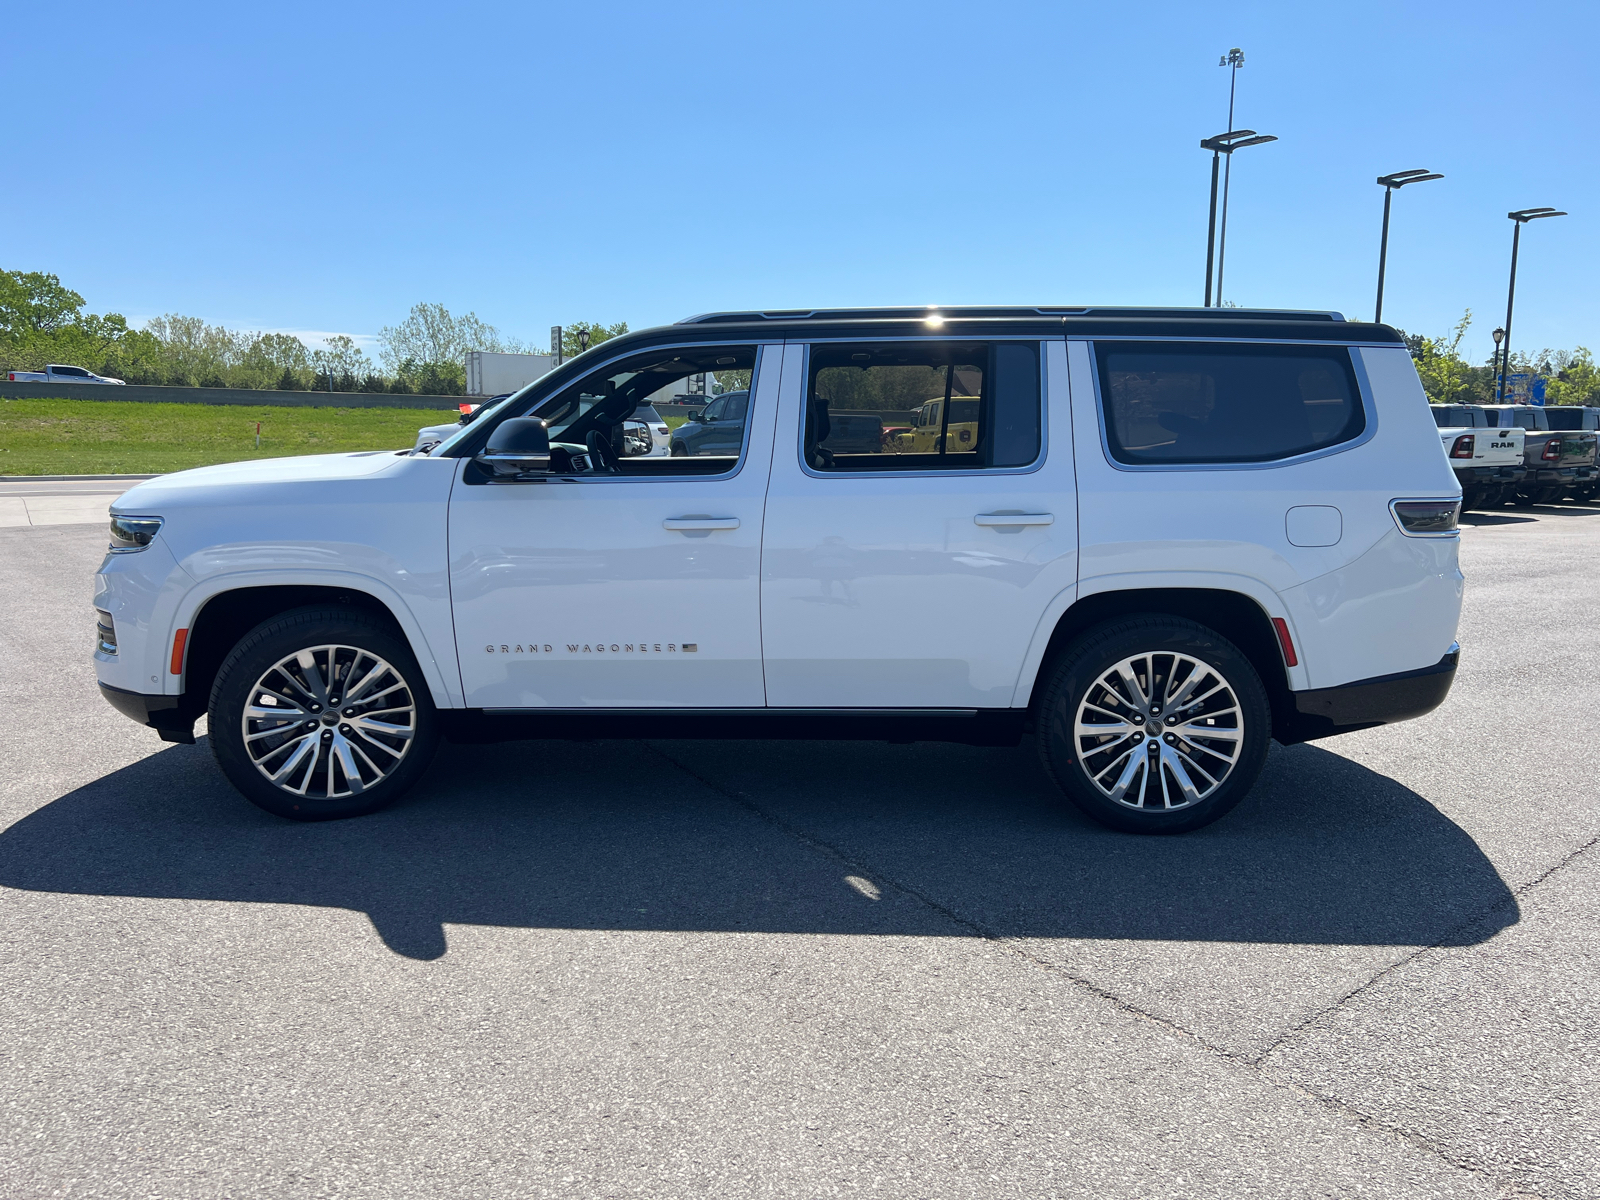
915	574
634	589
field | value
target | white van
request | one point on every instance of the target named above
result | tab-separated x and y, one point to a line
1170	536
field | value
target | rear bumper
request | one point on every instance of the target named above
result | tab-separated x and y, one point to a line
1476	475
1326	712
164	714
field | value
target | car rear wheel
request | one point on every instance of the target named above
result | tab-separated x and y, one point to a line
1154	725
320	714
679	450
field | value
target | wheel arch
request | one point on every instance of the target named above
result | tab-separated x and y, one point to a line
1236	615
219	619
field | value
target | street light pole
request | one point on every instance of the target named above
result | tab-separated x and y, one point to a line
1223	144
1521	217
1233	60
1211	223
1389	183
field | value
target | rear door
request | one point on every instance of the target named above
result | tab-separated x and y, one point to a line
914	580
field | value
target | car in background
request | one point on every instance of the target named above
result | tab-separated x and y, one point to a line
656	425
1487	461
1559	463
929	433
717	429
430	436
57	373
1572	418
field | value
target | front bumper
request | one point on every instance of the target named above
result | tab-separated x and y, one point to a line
1326	712
164	714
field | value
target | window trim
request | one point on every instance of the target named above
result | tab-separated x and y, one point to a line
1363	387
943	473
744	450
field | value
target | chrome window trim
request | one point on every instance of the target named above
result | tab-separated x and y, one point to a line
1363	386
744	450
949	472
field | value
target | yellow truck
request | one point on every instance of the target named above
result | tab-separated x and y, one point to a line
961	437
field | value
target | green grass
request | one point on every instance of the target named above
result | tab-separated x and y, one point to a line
94	437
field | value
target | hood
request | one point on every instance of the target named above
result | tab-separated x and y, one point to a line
201	485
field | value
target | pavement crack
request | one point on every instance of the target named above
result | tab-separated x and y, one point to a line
1446	939
1254	1065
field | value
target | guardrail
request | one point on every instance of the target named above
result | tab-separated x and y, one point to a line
142	394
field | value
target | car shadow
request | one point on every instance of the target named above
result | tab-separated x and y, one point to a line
1494	518
702	837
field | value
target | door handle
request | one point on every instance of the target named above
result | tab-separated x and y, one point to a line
691	524
1006	519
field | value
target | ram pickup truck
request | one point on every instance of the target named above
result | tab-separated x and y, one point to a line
1487	459
56	373
1560	462
1577	417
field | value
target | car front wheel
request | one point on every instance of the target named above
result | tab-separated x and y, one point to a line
1154	725
320	714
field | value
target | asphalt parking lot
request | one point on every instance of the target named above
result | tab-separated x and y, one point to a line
775	969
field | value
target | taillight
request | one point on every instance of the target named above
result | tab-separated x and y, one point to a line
1552	450
1465	444
1422	518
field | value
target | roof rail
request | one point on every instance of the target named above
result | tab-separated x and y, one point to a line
1023	311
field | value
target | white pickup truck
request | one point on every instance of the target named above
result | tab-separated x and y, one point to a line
56	373
1487	460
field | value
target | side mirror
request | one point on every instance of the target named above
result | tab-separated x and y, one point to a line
517	446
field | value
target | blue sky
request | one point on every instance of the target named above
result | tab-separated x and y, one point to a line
324	167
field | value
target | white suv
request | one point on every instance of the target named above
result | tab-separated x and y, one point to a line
1152	539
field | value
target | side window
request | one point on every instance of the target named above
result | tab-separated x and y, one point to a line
78	372
1174	403
595	407
922	405
712	411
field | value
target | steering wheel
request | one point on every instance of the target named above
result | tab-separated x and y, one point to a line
602	458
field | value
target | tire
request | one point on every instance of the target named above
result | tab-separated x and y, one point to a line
347	768
1471	498
1089	768
679	451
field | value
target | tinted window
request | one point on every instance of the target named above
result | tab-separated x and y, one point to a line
1225	403
78	371
1458	416
647	412
924	405
1570	418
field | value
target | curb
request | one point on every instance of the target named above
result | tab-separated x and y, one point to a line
68	478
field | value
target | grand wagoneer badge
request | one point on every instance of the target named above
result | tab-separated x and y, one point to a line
595	648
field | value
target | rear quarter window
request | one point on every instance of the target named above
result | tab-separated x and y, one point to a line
1175	404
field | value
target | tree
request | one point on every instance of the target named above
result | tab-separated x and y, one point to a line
33	302
430	334
1577	380
598	333
1445	375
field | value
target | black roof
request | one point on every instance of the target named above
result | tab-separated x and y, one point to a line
991	311
1257	324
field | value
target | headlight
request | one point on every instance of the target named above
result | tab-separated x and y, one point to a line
132	533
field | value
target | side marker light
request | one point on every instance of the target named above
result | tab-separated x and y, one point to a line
1284	642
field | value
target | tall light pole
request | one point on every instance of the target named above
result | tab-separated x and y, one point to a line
1522	216
1223	144
1390	183
1499	336
1233	60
